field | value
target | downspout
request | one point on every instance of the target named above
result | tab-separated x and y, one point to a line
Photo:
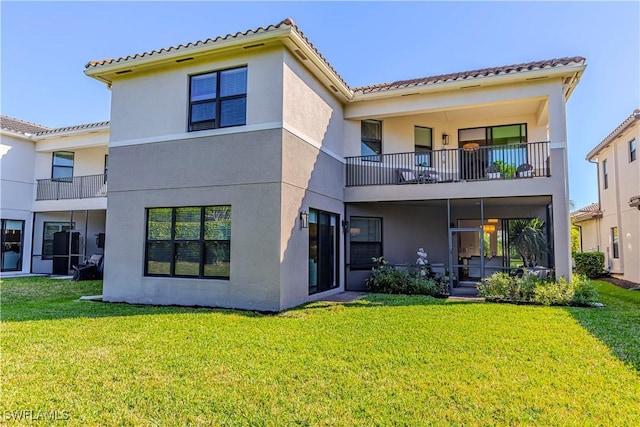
618	211
599	204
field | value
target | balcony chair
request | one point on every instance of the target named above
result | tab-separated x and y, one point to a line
407	176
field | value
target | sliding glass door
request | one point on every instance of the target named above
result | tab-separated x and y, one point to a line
12	231
323	251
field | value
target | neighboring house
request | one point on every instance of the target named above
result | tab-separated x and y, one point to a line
587	220
245	173
53	181
618	231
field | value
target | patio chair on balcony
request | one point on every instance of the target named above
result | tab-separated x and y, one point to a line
525	170
407	176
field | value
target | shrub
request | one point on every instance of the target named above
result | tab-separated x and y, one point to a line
388	280
501	287
591	264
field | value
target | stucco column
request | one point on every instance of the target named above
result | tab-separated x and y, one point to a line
560	176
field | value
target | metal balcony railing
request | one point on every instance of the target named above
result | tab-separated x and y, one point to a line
78	187
470	163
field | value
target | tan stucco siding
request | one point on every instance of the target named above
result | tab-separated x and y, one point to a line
151	105
309	110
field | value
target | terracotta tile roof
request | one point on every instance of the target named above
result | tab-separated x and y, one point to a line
73	128
288	22
467	75
589	211
593	207
21	126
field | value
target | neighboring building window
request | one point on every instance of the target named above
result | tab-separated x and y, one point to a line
192	242
62	169
614	242
106	166
365	241
50	228
371	139
632	151
12	234
218	99
605	174
423	140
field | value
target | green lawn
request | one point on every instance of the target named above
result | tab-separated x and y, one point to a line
380	361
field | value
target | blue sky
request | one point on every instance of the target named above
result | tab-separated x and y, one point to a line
45	46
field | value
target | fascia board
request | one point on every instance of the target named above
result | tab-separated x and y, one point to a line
27	137
320	65
77	132
609	139
475	82
102	71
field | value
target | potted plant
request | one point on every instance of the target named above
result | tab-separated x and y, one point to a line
493	171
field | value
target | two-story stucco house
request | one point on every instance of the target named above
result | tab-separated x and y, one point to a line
53	195
244	172
612	225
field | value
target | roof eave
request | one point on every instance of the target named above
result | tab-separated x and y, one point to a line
477	82
629	121
102	72
16	134
74	132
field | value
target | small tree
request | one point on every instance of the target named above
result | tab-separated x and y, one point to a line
529	239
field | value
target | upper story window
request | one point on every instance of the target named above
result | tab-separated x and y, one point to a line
218	99
605	174
632	151
62	166
371	139
423	139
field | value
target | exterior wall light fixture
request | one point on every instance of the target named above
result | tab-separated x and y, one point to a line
304	219
445	139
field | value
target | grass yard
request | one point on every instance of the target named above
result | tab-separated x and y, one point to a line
379	361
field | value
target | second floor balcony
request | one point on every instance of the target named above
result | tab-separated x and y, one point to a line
77	187
469	163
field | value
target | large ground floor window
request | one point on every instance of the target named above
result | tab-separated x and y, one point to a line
324	254
193	242
365	241
12	235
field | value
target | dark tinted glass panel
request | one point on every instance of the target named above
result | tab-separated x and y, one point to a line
159	258
361	252
62	173
217	259
371	129
203	87
187	224
159	224
187	259
233	112
369	148
217	223
203	112
63	158
366	229
233	82
423	138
